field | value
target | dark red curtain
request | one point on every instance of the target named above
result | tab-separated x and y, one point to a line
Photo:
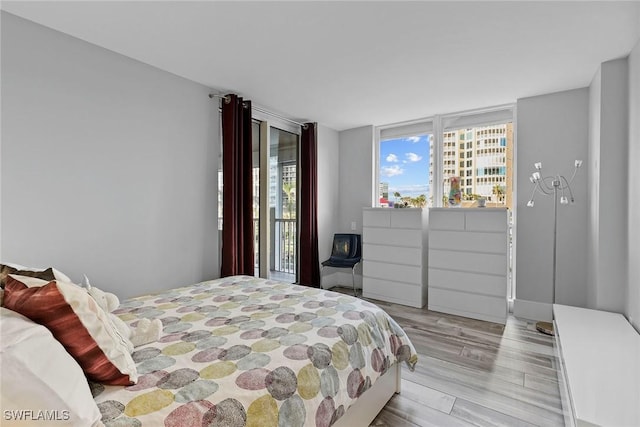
309	262
237	197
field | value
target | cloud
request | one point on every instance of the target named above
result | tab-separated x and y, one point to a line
413	157
414	139
391	170
392	158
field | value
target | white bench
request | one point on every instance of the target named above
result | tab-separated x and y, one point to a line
600	358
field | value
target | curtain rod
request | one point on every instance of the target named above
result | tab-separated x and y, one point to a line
262	110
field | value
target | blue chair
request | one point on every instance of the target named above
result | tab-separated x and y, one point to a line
346	252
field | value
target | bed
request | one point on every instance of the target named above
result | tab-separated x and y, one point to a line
245	351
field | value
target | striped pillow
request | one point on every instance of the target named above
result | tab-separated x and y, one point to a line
78	323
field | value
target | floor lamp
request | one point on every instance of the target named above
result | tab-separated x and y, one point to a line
552	185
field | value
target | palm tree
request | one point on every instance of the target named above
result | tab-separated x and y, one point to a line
420	201
498	190
290	190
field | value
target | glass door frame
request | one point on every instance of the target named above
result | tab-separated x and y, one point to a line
266	122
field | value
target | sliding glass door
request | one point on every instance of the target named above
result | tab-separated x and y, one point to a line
275	205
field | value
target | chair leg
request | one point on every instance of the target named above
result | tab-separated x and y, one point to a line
321	269
353	280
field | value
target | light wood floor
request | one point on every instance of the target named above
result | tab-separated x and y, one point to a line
473	373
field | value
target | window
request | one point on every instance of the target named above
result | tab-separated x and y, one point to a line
490	162
404	166
476	145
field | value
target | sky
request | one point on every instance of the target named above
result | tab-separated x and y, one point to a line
404	164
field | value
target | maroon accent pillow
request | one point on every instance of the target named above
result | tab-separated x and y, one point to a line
80	325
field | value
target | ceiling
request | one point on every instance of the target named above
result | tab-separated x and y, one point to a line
349	64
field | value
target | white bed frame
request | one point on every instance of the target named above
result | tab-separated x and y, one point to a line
366	408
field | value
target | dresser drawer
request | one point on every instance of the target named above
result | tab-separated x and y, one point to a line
468	241
393	237
489	220
394	272
487	284
376	218
483	307
398	255
450	219
468	261
406	218
387	290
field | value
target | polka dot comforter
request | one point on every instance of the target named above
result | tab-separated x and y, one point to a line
245	351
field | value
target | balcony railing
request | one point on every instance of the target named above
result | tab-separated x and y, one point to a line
284	245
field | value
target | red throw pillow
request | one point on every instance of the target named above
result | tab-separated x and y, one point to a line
79	324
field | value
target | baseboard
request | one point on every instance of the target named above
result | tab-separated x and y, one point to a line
532	310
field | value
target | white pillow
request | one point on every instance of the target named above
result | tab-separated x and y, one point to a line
40	379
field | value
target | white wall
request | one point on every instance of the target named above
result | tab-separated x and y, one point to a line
328	184
108	165
632	309
593	216
355	174
552	129
608	142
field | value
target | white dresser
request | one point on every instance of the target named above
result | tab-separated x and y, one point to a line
469	261
394	255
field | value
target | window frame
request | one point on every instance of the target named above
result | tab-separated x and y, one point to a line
437	125
442	123
395	130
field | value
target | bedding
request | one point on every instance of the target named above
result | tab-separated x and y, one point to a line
245	351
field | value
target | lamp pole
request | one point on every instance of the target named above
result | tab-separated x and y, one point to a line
541	185
556	185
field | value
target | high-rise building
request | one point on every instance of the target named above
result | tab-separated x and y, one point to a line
483	159
289	189
384	190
